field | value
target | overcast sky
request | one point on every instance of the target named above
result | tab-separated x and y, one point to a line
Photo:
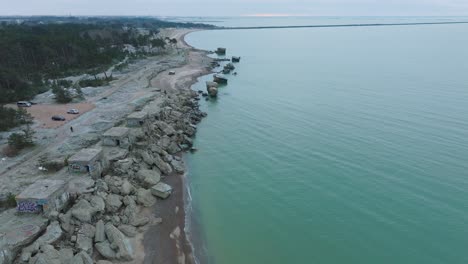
234	7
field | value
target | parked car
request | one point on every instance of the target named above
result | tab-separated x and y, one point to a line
73	111
172	73
58	118
23	104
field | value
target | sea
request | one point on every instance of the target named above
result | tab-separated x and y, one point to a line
334	145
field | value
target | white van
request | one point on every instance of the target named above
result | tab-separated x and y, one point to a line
23	104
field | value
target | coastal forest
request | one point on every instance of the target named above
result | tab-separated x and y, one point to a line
39	50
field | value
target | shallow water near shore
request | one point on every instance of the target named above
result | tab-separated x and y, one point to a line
335	145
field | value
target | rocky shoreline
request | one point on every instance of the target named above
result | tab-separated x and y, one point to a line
124	216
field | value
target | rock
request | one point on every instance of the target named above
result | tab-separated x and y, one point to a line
141	221
53	215
87	230
101	186
148	178
156	149
119	242
65	220
83	211
164	142
104	248
114	183
165	128
212	91
48	255
100	234
178	166
113	203
126	188
147	158
173	148
97	203
121	167
66	255
115	220
52	235
84	243
145	198
104	262
161	190
81	258
128	230
162	165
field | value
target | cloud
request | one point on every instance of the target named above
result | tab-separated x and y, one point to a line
235	7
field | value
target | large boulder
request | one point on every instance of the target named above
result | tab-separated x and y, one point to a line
145	198
148	178
52	235
83	211
165	128
66	255
84	243
81	258
162	165
113	203
161	190
98	204
119	243
65	222
122	167
104	248
128	230
173	148
47	255
126	188
100	234
178	166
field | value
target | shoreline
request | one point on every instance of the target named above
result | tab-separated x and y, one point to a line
171	240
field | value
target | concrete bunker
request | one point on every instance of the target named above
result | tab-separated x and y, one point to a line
87	161
117	137
137	119
43	196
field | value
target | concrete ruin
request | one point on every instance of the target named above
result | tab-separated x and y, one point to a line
117	137
137	119
43	196
87	161
18	231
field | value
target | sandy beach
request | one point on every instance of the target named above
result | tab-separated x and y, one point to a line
167	242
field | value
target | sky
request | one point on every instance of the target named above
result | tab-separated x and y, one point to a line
236	7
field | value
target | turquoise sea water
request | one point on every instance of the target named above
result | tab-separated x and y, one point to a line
335	145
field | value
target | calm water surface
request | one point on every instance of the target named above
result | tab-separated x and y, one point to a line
336	145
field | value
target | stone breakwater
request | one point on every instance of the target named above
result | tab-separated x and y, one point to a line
106	216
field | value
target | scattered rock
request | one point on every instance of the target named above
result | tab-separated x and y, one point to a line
148	178
83	211
128	230
113	203
126	188
145	198
119	243
104	248
100	234
161	190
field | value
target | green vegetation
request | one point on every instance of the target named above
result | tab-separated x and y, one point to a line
36	54
96	82
11	118
51	165
48	48
19	141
